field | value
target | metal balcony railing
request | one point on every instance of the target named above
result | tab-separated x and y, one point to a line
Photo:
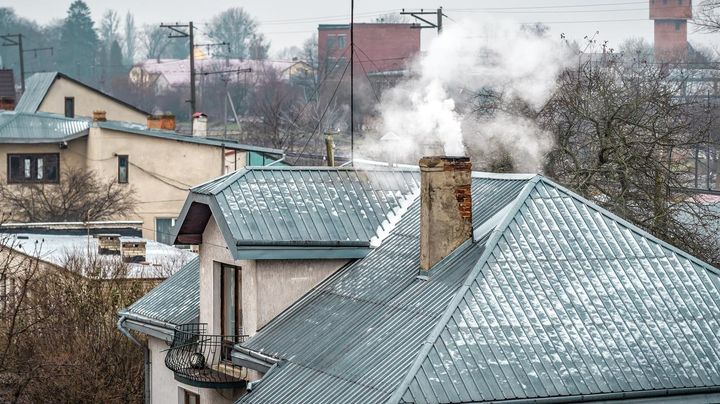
203	360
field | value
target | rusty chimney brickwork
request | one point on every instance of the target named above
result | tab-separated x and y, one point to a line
99	116
445	207
164	122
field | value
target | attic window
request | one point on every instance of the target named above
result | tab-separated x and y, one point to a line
37	168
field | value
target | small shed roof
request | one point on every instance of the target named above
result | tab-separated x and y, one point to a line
39	127
300	212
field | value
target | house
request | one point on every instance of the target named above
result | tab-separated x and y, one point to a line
37	148
380	49
670	19
164	75
437	285
7	89
58	93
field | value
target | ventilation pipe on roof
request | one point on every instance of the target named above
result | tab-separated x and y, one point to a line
330	147
445	207
199	124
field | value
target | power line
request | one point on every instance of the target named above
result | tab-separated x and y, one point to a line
324	112
544	7
179	32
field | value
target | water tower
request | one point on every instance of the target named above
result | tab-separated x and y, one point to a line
671	17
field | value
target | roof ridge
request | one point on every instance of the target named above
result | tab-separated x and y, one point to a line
628	225
222	181
492	241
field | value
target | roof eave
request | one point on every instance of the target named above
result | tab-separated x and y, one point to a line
281	252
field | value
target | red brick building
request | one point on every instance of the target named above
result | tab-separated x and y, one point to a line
379	48
671	18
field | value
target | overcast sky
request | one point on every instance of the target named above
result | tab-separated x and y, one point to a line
290	22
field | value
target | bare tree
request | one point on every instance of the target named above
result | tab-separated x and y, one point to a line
79	196
623	132
707	16
131	38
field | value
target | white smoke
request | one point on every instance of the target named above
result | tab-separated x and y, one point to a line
466	59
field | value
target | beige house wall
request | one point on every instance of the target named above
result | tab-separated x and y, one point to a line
86	101
161	171
268	286
72	156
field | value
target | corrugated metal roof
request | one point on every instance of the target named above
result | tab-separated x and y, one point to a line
562	299
175	301
139	129
19	127
7	84
276	206
572	302
352	338
36	88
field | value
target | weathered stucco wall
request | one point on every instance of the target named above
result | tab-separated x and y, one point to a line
160	172
282	282
268	287
163	384
87	101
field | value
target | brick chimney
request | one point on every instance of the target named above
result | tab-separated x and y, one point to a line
133	250
445	207
165	122
99	116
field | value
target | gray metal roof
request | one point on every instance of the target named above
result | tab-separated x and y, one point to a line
20	127
559	299
271	208
36	88
175	301
130	127
38	85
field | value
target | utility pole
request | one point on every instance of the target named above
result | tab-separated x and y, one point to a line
352	82
417	15
179	32
9	41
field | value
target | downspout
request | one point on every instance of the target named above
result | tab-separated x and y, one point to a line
146	354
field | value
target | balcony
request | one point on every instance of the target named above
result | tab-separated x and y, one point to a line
203	360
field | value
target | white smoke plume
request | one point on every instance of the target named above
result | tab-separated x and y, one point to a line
466	59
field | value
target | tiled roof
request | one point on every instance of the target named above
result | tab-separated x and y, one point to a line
175	301
21	127
557	299
295	207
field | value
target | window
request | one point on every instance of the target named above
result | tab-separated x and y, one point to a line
123	169
39	168
331	42
231	313
341	41
678	25
187	397
70	107
163	230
